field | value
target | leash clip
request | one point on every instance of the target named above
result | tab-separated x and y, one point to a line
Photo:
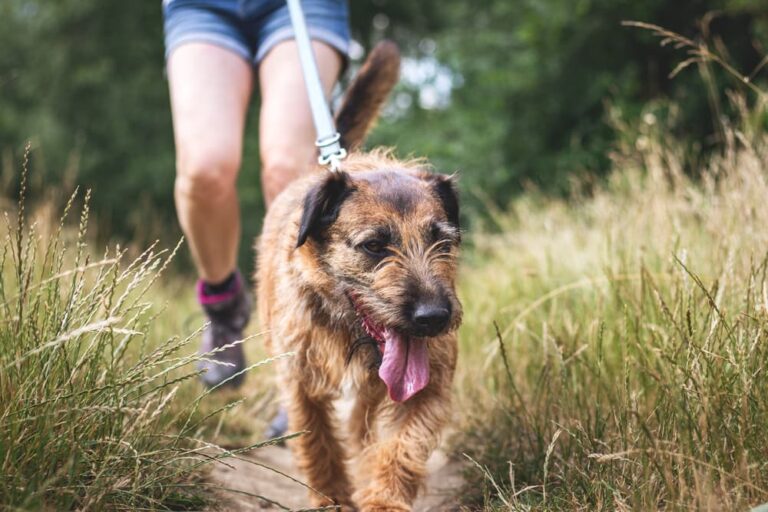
328	138
331	152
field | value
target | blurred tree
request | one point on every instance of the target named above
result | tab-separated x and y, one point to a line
506	92
84	79
536	77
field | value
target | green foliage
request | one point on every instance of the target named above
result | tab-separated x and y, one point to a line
531	82
537	78
84	80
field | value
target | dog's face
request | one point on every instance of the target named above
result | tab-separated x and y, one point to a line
388	240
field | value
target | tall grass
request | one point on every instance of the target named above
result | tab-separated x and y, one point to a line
628	367
90	415
82	395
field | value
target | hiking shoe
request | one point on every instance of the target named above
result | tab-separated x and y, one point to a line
228	312
278	426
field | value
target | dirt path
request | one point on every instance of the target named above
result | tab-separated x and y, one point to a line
444	481
252	479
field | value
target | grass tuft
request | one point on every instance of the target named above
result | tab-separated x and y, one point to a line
626	366
90	416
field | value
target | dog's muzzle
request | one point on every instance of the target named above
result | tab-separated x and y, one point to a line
404	361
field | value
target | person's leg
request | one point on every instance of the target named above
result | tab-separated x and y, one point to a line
210	90
286	131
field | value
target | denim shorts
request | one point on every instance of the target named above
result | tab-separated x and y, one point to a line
251	28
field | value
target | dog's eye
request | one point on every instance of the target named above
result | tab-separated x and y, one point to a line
436	233
441	238
375	248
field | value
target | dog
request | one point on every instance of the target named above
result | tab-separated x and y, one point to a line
356	276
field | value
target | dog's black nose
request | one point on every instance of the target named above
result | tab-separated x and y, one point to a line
430	318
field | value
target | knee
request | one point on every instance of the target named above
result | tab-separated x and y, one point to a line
206	174
279	167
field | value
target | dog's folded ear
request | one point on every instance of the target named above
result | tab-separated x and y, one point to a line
322	204
445	189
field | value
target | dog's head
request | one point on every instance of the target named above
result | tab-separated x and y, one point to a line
387	236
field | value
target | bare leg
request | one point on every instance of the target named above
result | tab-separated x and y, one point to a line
210	90
287	142
287	134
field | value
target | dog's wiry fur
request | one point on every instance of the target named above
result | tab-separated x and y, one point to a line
316	274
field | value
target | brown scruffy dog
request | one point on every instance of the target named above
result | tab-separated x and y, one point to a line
356	276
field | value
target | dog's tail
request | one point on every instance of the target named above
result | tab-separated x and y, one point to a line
368	92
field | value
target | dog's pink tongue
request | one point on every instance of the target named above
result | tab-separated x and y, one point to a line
404	366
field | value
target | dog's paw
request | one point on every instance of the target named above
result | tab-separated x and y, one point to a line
393	507
344	508
384	505
335	505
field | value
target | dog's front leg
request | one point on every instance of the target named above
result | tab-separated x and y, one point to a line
396	464
318	453
362	421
